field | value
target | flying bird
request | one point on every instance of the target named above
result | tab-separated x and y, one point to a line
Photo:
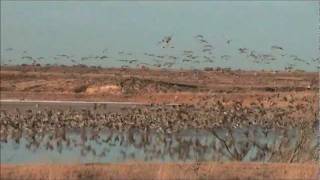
277	47
225	57
26	57
132	61
103	57
199	36
165	41
243	50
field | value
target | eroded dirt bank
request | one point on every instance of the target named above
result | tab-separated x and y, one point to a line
172	171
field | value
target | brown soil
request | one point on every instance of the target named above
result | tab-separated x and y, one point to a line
147	85
221	171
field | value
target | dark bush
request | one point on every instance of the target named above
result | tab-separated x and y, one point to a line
80	89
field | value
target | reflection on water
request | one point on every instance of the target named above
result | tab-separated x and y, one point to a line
84	146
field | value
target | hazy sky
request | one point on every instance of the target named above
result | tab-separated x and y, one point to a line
86	28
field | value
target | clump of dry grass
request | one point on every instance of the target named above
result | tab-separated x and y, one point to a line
80	89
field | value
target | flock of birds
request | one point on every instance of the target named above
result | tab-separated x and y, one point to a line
160	124
207	55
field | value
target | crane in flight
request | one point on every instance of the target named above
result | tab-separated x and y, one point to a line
274	47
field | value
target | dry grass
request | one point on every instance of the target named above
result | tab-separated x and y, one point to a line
139	171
